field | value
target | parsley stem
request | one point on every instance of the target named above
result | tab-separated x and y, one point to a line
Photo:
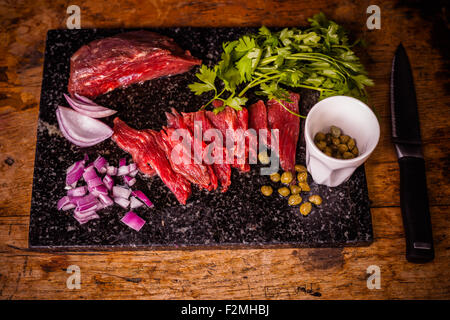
289	110
253	83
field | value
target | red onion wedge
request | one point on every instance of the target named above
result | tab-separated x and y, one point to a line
135	203
132	220
124	203
80	129
88	107
74	172
139	194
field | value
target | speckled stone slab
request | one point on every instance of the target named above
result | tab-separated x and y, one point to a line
241	217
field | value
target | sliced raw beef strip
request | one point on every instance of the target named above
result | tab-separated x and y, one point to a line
258	119
221	170
144	146
225	120
123	59
288	126
194	173
176	121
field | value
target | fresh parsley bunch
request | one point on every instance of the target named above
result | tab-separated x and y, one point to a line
318	58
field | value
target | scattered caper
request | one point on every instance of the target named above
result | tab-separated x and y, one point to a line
275	177
321	145
348	155
355	151
266	190
294	200
295	189
344	138
305	208
302	177
335	131
320	136
342	148
316	199
300	168
351	143
284	191
305	186
286	177
263	157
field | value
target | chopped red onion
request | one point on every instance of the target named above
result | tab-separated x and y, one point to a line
142	197
122	162
129	180
86	216
62	202
132	167
77	192
111	171
94	182
121	192
74	172
135	203
133	173
124	203
132	220
88	201
89	173
123	170
98	190
100	163
108	182
68	207
86	157
106	200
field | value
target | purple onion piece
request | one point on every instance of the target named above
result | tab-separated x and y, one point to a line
132	220
141	196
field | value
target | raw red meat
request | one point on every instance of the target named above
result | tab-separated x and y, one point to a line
258	119
144	146
228	119
214	148
123	59
196	171
288	126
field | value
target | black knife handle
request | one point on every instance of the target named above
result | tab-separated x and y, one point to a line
415	210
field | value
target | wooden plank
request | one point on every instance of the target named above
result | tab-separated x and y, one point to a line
338	273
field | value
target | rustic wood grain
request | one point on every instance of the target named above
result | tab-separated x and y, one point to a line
240	274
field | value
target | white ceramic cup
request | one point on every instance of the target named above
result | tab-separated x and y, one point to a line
355	119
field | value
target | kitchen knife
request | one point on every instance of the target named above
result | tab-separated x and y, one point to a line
408	145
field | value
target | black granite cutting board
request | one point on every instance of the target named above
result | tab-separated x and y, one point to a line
239	217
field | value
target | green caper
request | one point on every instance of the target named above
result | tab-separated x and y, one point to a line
335	131
321	145
328	138
294	200
339	156
316	199
302	177
263	157
305	208
284	191
295	189
300	168
328	150
305	186
342	148
348	155
355	151
275	177
351	143
335	141
286	177
330	154
344	138
320	136
266	190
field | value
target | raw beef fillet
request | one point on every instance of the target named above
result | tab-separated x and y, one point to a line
196	172
221	170
144	147
123	59
258	119
288	126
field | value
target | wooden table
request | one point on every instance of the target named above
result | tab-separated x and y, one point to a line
338	273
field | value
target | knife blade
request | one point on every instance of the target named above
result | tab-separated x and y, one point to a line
408	145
